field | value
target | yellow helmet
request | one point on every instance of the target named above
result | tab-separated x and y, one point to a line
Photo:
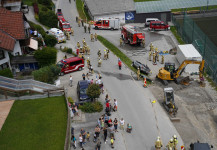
158	138
171	140
174	136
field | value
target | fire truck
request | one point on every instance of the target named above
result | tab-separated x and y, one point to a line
107	24
59	14
131	35
64	25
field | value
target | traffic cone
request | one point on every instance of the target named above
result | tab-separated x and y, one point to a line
145	84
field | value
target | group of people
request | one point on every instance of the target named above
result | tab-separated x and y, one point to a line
106	56
81	22
170	146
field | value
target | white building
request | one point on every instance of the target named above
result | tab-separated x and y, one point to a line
13	5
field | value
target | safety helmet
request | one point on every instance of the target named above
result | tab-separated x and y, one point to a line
171	140
87	57
174	136
158	138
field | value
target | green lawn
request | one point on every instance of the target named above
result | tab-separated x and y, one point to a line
82	13
38	124
175	33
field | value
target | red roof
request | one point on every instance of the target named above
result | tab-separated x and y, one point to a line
12	23
6	41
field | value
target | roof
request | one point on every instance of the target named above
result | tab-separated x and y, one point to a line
6	41
12	23
103	7
23	59
131	29
189	51
167	5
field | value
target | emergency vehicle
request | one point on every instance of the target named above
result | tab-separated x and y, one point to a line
58	34
64	25
107	24
131	35
59	14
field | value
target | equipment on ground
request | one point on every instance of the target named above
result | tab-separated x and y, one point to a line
131	35
168	72
200	146
111	24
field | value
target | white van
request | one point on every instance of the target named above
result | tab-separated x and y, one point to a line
58	34
148	20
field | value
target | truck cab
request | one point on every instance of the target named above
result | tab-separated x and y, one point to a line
64	25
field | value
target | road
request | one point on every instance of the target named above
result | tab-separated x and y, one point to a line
134	102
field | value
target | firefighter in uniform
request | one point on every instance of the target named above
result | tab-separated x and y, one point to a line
88	50
99	53
149	56
154	58
151	47
83	41
143	42
85	48
72	32
79	21
157	53
162	59
121	42
85	29
95	36
175	141
91	37
67	35
107	53
138	74
78	44
89	28
170	145
158	143
88	62
99	62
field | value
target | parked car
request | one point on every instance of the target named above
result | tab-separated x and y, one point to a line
82	91
143	68
158	25
148	20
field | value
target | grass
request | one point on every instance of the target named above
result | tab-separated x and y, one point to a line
194	8
175	33
82	13
211	82
38	124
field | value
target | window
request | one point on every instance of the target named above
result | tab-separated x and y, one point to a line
106	22
2	54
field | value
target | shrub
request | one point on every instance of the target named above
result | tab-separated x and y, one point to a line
6	73
44	8
35	6
69	51
46	56
91	107
47	3
38	28
50	40
36	17
48	18
70	100
93	91
47	74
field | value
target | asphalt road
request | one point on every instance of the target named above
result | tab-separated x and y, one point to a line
134	102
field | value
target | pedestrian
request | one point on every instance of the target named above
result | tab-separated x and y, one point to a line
111	130
73	139
80	140
119	64
95	36
112	142
69	1
106	119
88	137
116	125
158	143
138	73
72	131
70	80
89	28
91	81
82	22
83	133
98	145
83	76
85	28
122	123
79	22
105	133
115	105
107	53
97	131
102	123
76	18
175	141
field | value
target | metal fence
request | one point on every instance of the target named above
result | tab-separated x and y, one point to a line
192	34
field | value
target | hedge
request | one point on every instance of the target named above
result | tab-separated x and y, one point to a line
6	73
48	18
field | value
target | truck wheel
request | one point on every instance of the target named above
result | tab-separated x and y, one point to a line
112	29
79	68
96	28
62	73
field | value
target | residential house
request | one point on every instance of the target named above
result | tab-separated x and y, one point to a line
13	5
14	35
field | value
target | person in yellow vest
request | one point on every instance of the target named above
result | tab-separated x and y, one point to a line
88	50
83	41
150	56
162	60
67	36
143	42
78	44
91	37
151	47
99	62
95	36
121	42
158	143
175	141
83	49
99	53
72	32
105	54
138	74
79	22
170	145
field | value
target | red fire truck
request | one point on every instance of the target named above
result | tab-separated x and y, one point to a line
64	25
131	35
59	14
107	24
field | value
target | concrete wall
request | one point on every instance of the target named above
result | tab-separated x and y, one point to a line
120	16
164	16
6	59
17	49
15	6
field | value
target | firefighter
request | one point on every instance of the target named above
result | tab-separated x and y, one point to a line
150	56
105	54
85	29
80	50
95	36
72	32
162	59
99	53
99	62
138	73
154	58
85	48
157	55
83	41
88	62
151	47
143	42
82	22
67	36
76	18
88	50
170	145
158	143
121	42
89	28
79	22
78	44
91	37
175	141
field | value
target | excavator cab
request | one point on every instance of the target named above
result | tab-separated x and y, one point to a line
170	67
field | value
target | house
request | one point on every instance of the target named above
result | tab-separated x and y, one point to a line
14	35
13	5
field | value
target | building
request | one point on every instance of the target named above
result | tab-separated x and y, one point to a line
116	9
13	5
14	35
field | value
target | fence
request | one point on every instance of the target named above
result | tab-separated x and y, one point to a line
191	33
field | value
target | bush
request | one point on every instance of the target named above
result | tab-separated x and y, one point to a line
91	107
48	18
44	8
47	3
35	6
46	56
70	100
50	40
93	91
69	51
38	28
6	73
47	74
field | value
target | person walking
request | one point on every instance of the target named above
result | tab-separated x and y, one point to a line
122	123
119	64
83	76
98	144
73	139
95	35
83	133
115	105
158	144
105	131
112	143
80	140
85	29
70	80
116	125
97	131
89	28
82	22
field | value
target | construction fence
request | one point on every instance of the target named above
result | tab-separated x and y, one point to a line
192	34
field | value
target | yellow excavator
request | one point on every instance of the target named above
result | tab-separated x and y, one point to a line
168	72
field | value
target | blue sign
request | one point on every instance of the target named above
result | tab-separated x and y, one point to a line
129	15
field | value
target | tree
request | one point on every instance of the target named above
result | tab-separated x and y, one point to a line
50	40
6	73
46	56
48	18
93	91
